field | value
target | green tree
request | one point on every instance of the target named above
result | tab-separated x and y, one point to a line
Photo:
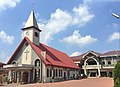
117	75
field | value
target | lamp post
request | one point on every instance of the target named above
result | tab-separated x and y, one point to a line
118	17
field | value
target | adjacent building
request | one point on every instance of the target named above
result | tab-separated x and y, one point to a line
94	64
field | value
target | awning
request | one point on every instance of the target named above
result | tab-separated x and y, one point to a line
18	67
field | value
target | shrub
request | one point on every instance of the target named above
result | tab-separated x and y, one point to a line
117	75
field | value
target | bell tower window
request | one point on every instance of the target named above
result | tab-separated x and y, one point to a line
36	34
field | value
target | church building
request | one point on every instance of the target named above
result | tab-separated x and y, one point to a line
33	61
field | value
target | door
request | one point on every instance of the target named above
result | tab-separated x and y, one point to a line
25	77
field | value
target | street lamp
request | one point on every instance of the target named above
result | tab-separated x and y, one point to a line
115	15
118	17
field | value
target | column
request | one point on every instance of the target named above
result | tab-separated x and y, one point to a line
21	80
29	76
107	73
85	71
10	76
18	76
33	74
99	70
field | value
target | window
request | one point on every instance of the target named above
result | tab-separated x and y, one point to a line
56	73
47	72
36	34
26	44
50	73
37	70
14	62
59	73
109	62
37	62
53	73
103	62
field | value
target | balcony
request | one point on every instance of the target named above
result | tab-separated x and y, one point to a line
108	66
91	66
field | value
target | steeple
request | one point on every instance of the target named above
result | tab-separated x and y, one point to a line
31	29
31	22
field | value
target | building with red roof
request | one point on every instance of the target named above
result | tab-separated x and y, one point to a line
36	62
95	64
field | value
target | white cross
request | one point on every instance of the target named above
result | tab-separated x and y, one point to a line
26	53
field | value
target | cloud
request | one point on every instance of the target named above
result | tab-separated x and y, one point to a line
82	15
114	36
60	20
6	38
5	4
77	39
75	53
3	57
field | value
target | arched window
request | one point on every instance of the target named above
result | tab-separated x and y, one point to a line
26	44
53	73
59	73
37	70
103	62
56	73
47	72
109	62
14	62
50	72
36	34
37	62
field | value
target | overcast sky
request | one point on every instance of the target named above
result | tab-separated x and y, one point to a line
71	26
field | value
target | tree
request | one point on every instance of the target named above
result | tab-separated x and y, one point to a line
117	75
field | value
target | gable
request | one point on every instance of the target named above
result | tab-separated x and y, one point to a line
91	54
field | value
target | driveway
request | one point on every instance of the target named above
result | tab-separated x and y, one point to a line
89	82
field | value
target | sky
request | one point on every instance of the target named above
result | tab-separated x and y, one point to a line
71	26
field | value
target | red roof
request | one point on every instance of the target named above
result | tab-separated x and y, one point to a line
114	52
53	56
78	58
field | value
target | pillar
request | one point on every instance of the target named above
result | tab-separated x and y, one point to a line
18	76
99	71
33	75
10	75
29	76
21	80
85	72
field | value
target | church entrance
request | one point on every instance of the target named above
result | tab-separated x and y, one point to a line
25	77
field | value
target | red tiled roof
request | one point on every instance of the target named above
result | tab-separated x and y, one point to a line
78	58
54	57
114	52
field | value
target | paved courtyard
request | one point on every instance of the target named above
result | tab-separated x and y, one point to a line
89	82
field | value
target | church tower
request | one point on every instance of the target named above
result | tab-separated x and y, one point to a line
31	29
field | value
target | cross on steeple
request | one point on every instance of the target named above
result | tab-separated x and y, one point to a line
26	53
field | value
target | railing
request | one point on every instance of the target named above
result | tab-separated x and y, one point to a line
91	66
108	66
